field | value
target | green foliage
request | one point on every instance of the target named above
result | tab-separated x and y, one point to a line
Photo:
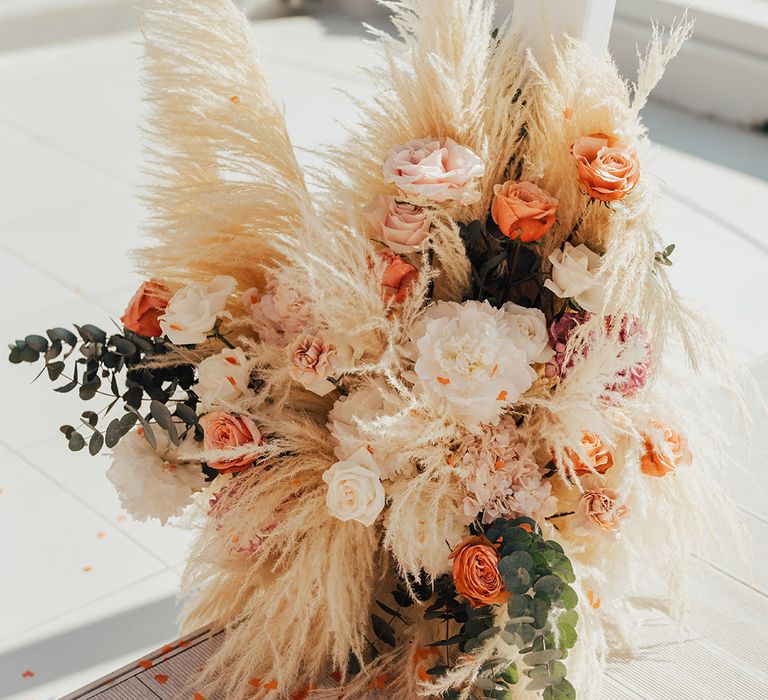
542	620
114	366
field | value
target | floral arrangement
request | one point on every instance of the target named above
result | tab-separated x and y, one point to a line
424	422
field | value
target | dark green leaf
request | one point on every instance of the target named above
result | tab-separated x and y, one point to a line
551	585
76	442
63	335
65	388
390	611
54	370
127	422
568	598
95	443
67	430
92	334
113	434
37	343
123	346
383	630
90	417
451	641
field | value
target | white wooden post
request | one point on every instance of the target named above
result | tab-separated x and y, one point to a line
537	21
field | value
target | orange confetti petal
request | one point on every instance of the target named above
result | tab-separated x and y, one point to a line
101	535
161	678
28	674
502	396
494	370
272	685
146	663
370	449
567	113
166	649
87	569
444	380
234	98
182	644
121	518
526	527
199	697
255	682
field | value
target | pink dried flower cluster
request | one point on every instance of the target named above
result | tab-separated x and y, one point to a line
501	476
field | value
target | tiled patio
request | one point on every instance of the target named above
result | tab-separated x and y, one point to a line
85	589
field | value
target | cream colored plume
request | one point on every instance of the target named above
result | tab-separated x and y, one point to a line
225	183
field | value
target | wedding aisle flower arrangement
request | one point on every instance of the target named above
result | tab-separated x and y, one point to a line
420	411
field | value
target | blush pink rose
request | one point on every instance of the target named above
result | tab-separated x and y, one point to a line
225	431
399	277
523	210
402	226
607	170
311	363
145	308
437	169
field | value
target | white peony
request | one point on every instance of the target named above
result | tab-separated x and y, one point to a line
575	276
192	312
153	483
530	326
354	489
469	358
223	378
350	422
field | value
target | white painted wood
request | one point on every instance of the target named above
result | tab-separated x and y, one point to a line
540	20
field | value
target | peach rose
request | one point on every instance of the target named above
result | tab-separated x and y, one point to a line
402	226
608	170
523	210
398	278
145	307
311	359
476	572
599	506
661	460
225	431
438	170
599	457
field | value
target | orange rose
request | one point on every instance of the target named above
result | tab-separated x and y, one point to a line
476	572
599	506
523	210
600	458
225	431
674	454
145	307
607	170
398	278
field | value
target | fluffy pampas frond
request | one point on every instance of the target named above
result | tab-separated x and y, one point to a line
225	180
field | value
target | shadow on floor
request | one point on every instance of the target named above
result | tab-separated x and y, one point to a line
149	625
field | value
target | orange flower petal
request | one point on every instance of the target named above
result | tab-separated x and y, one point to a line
272	685
28	674
502	396
146	663
161	678
444	380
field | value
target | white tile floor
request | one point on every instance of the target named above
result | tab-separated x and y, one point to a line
83	588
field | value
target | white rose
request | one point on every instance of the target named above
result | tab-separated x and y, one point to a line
530	328
154	483
223	378
468	357
437	170
354	489
351	422
575	276
192	311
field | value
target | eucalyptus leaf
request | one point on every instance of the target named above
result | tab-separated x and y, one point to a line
95	443
383	630
36	342
536	658
63	335
76	442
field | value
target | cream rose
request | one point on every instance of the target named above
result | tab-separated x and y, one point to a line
402	226
438	170
469	360
223	378
575	276
530	328
311	362
354	489
192	312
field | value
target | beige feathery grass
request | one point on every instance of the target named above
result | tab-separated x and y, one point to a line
293	586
